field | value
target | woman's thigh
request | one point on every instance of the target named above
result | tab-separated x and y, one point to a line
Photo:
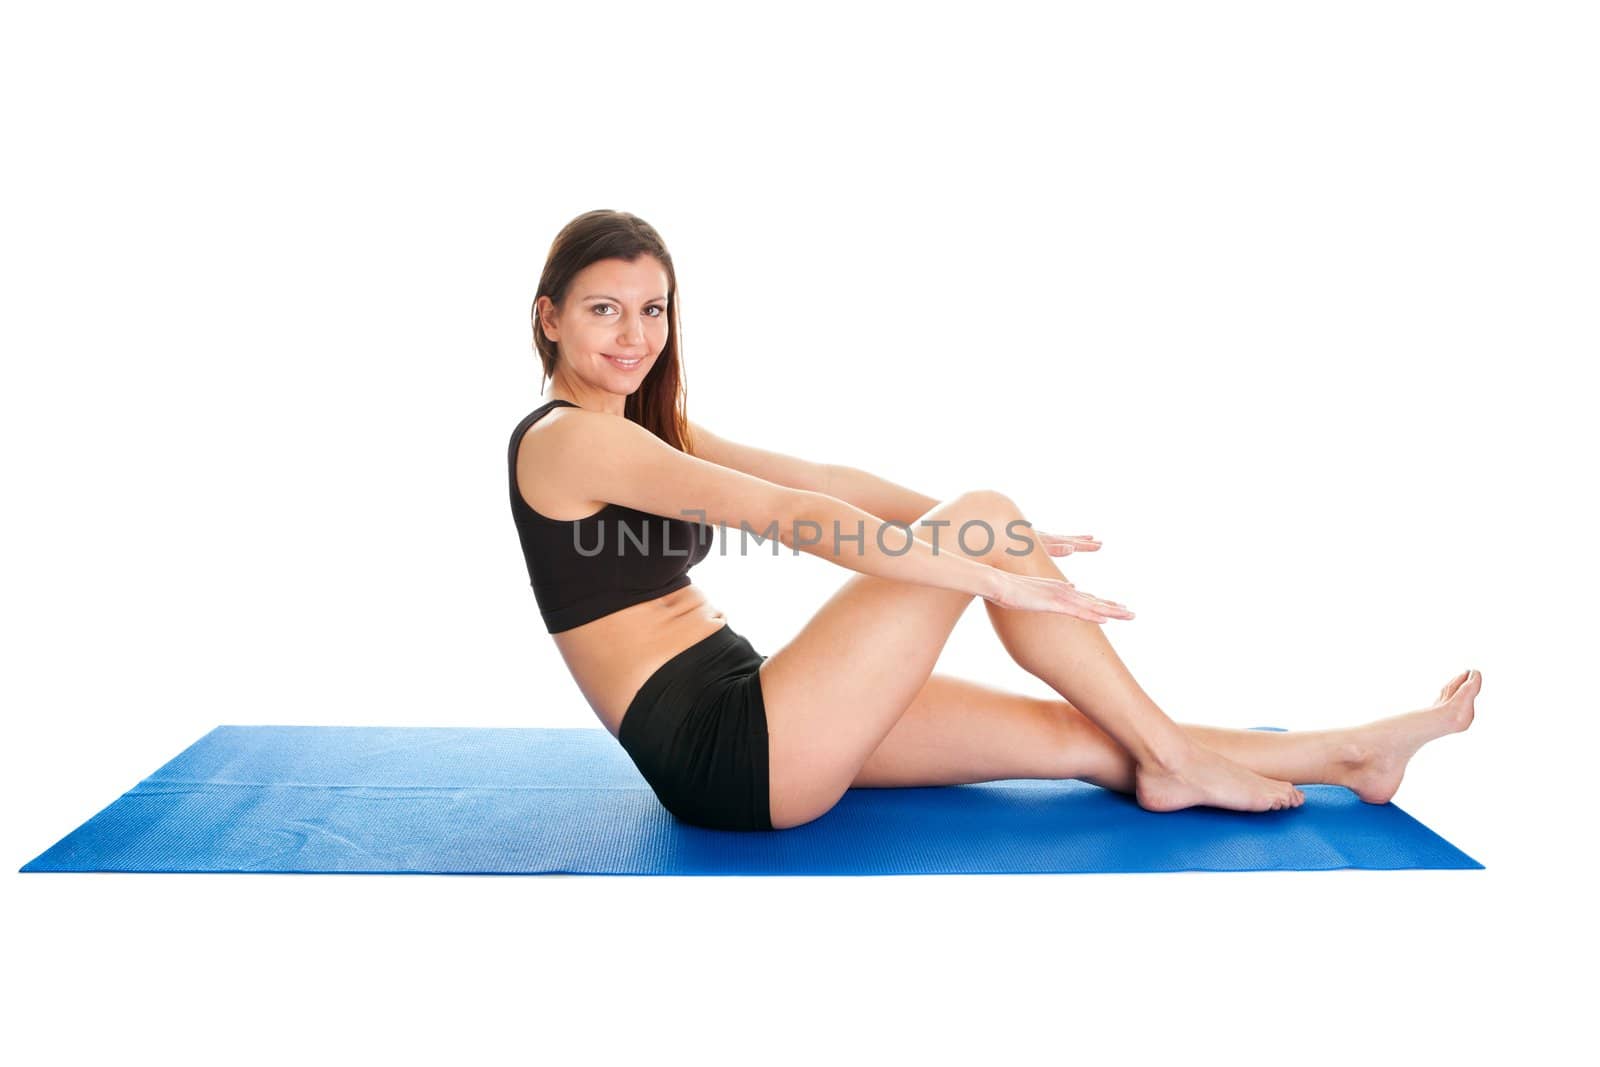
959	731
834	692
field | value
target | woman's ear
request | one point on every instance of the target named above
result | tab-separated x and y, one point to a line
544	317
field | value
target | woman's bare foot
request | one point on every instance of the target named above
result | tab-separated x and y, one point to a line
1202	776
1379	751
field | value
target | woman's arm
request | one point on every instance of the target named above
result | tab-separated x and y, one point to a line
877	495
595	456
866	491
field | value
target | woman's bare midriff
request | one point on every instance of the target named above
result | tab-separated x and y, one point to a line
611	657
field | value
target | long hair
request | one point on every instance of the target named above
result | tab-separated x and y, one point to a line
659	404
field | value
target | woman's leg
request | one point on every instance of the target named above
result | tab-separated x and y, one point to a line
1076	659
958	731
1370	758
834	692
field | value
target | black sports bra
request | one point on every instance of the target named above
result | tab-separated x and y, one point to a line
584	569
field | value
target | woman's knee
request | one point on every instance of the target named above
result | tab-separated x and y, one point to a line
986	503
979	523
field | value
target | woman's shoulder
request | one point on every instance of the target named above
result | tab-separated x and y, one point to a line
528	459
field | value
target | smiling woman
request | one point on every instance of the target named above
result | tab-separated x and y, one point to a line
605	325
731	739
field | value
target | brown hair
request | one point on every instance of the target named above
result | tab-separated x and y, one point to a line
659	403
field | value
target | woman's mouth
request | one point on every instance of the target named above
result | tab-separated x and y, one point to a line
625	364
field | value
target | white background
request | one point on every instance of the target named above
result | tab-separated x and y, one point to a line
1292	305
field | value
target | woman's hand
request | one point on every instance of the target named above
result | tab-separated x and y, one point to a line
1066	544
1057	595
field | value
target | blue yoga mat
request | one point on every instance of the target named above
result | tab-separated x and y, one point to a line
456	800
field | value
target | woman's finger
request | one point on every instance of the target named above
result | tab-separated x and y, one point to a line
1082	607
1110	607
1056	544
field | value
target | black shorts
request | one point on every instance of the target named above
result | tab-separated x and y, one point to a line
697	731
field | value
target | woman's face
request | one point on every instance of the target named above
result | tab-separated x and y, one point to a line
613	324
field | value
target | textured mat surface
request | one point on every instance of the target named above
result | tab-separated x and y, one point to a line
461	800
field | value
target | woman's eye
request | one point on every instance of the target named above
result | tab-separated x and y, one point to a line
652	307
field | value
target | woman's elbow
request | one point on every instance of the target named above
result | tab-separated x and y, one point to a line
802	513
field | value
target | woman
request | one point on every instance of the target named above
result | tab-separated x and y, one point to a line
603	474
